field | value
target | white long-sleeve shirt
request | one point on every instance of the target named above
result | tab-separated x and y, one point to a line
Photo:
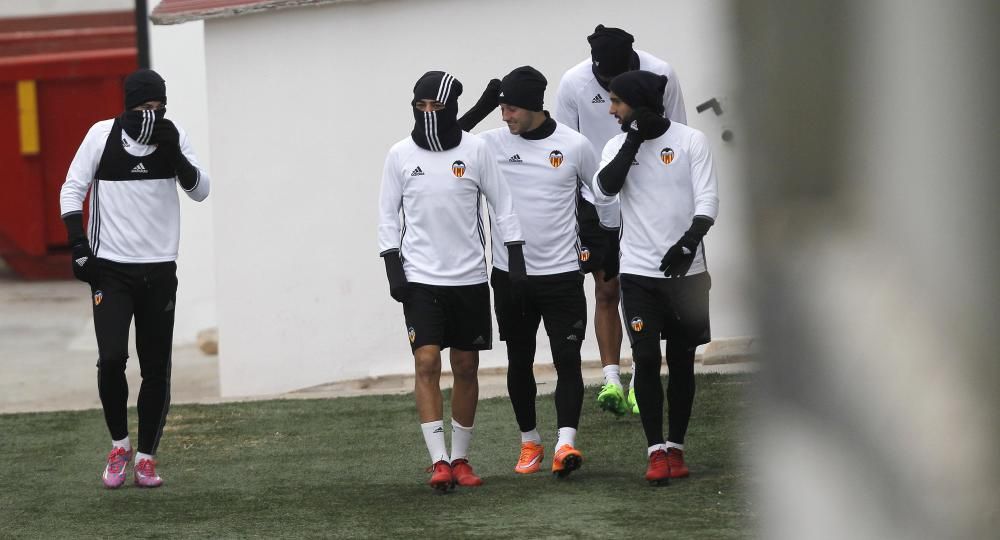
671	180
131	220
582	103
544	176
430	210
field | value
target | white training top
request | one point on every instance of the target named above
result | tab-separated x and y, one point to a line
544	176
671	180
582	103
131	221
440	236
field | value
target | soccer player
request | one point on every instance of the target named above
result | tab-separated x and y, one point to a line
662	173
581	104
131	166
435	261
546	165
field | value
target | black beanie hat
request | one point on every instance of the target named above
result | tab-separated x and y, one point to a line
611	50
524	87
640	89
144	85
439	86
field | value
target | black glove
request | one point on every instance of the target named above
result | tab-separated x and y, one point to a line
679	257
399	288
611	178
487	102
646	124
611	258
518	274
84	262
165	135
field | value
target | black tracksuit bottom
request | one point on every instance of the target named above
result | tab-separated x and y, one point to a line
146	292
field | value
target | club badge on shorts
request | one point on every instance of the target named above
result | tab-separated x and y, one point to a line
411	333
555	158
636	324
584	254
458	169
667	155
98	296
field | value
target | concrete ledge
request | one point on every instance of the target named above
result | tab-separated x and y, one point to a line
729	351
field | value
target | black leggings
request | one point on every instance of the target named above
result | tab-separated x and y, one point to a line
146	292
521	382
649	392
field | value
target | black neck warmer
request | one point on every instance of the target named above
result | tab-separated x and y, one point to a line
139	124
438	130
547	128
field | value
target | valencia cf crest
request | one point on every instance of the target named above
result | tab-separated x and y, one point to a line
411	333
584	254
637	324
458	169
98	296
555	158
667	155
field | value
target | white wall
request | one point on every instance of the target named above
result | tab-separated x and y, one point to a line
35	8
178	54
304	103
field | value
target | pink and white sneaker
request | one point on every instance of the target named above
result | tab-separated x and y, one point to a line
114	471
145	474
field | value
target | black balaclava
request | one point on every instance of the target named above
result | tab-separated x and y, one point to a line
438	130
523	87
141	86
611	52
640	89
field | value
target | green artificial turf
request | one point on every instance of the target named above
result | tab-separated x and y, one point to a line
354	467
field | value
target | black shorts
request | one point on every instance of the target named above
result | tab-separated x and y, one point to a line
594	239
557	299
667	308
446	316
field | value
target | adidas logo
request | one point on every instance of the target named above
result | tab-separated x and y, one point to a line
597	99
578	325
417	172
635	161
125	143
170	305
140	168
516	158
572	337
501	94
438	430
81	261
479	341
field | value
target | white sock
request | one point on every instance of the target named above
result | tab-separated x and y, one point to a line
612	375
631	382
531	436
567	435
434	439
674	445
124	443
461	438
139	456
654	448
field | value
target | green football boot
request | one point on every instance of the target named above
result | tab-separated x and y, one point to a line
612	399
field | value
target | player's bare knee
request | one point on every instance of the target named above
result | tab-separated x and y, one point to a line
606	294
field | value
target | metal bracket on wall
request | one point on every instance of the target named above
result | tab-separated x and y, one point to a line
710	104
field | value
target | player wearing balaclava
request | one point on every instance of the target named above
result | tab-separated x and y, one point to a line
582	104
437	269
662	174
131	166
547	166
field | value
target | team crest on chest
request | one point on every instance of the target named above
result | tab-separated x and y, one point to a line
555	158
667	155
458	168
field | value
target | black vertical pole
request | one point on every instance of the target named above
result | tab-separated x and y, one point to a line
142	33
